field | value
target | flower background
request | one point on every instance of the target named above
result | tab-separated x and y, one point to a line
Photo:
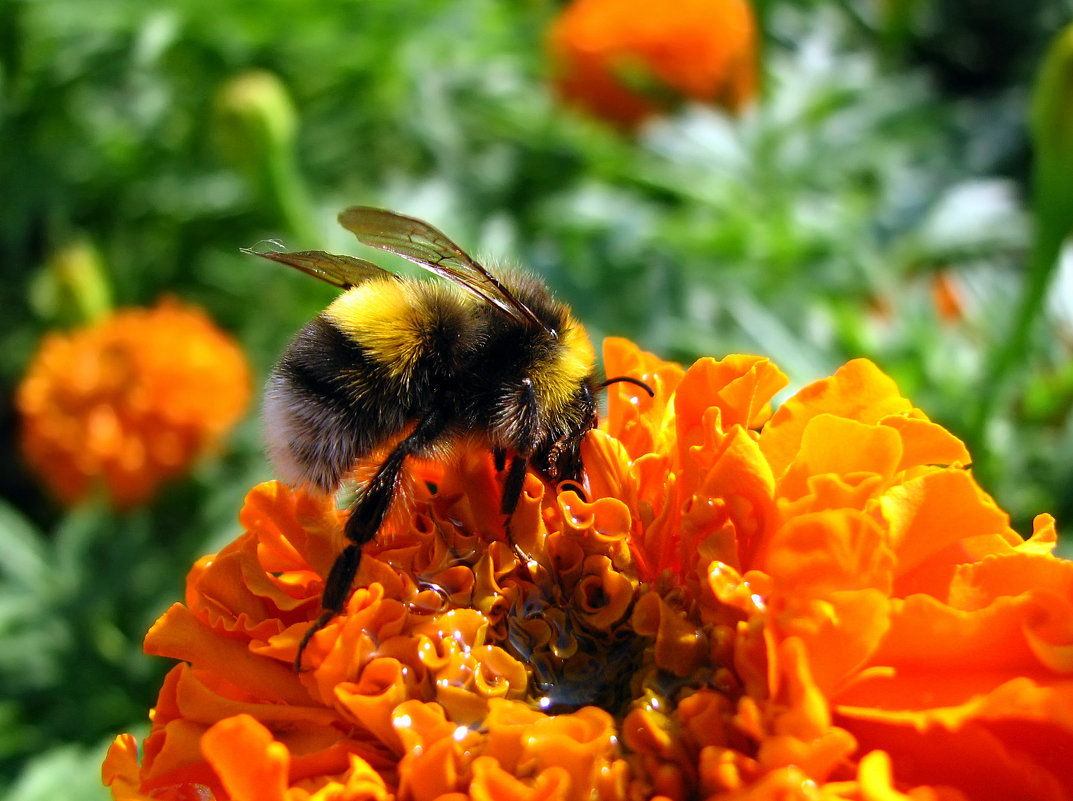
875	197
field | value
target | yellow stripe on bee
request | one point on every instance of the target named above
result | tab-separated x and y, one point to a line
382	317
560	378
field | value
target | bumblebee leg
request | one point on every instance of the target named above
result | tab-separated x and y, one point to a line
365	521
512	493
339	579
512	486
523	447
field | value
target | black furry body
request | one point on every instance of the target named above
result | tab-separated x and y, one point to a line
333	400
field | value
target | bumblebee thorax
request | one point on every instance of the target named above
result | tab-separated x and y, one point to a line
400	322
570	361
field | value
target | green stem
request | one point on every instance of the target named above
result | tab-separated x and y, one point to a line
289	194
1011	357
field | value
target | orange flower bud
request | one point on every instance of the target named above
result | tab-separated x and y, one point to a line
624	60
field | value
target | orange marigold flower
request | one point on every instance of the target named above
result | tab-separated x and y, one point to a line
816	601
130	401
624	60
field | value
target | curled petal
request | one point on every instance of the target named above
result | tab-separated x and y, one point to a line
603	595
858	391
567	557
120	770
464	627
361	781
724	770
728	509
927	443
499	675
649	733
1011	742
936	522
179	635
372	700
705	717
740	387
947	655
433	774
492	783
582	743
420	724
508	725
471	677
608	468
876	450
679	644
349	641
1044	537
840	633
296	531
605	520
814	555
638	422
252	766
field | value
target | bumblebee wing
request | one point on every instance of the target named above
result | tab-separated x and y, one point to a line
430	249
341	271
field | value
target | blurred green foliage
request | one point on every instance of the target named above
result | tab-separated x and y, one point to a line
891	149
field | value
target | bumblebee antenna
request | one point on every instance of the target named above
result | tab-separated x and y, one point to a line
629	380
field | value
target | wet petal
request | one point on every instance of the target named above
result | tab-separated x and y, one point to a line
251	765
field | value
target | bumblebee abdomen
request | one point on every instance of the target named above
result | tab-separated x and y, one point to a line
356	375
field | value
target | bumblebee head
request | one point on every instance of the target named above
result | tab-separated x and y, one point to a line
560	353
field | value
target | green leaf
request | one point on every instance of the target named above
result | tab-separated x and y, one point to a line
1051	123
23	552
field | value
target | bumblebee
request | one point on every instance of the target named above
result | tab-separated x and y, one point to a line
489	356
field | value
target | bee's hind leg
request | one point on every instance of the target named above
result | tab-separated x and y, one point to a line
365	519
512	493
514	482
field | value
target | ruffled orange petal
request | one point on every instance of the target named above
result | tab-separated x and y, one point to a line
639	422
857	391
180	635
120	770
251	765
934	519
741	387
1010	742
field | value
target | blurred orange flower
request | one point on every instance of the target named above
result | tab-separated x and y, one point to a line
130	401
624	60
817	602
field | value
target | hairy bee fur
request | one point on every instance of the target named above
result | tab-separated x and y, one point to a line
386	353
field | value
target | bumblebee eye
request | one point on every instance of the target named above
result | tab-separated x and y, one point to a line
629	380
